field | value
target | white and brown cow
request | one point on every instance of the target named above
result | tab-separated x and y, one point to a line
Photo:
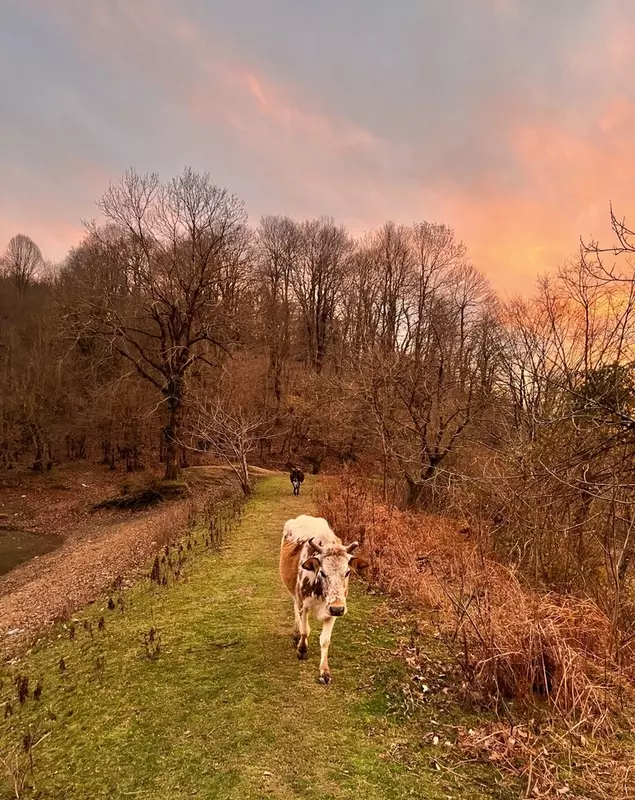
315	567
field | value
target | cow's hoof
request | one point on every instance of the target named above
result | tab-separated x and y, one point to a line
325	678
302	652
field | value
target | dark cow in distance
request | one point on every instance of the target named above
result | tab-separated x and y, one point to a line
297	479
315	567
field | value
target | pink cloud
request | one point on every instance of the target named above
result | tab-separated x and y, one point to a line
566	168
42	209
53	234
316	155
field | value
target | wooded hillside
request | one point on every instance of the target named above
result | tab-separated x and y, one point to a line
174	328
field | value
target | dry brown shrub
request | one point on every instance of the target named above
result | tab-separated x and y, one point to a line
585	769
510	642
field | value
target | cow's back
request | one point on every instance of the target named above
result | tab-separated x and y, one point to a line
289	562
295	535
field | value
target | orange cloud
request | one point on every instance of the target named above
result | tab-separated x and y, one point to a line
321	157
567	179
277	105
325	162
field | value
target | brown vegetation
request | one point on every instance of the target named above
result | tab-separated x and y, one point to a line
510	642
174	333
535	658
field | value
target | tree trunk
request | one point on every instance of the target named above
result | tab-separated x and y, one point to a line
244	476
275	375
420	490
320	344
39	447
105	449
413	495
277	391
172	430
385	476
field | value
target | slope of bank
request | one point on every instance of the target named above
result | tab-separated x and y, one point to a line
95	548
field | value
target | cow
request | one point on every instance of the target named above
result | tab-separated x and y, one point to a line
297	478
315	567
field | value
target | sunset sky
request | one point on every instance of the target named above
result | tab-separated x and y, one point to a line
511	120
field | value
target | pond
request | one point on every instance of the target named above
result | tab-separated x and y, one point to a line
16	547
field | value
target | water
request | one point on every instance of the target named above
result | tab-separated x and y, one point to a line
16	547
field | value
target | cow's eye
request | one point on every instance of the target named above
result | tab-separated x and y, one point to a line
348	572
322	574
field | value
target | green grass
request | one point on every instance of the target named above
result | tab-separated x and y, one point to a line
226	710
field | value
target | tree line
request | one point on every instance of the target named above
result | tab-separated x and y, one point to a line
174	327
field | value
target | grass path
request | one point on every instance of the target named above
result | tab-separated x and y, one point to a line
226	710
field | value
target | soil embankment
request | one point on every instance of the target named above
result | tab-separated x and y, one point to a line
86	551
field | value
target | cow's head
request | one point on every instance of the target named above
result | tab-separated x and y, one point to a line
333	566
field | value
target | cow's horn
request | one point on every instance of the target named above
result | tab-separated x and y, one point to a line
352	546
315	546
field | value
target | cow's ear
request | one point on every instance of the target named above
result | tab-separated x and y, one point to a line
311	564
358	564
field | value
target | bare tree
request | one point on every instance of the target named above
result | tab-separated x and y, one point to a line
230	433
392	254
359	306
175	261
318	280
426	369
276	249
231	417
21	261
556	488
375	387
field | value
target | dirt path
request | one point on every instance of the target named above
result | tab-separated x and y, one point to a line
225	710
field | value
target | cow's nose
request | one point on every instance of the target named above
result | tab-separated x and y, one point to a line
336	611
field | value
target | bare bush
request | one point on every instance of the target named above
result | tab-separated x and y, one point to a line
231	434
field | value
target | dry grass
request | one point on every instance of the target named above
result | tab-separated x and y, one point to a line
584	769
511	643
543	662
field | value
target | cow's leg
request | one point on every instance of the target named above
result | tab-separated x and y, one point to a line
296	623
325	641
305	630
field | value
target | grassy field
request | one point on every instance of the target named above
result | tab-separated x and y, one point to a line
224	709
